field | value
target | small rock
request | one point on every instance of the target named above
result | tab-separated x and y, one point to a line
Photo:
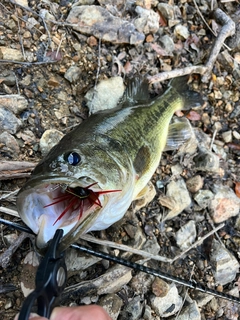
186	235
224	205
225	264
99	98
14	102
181	32
167	11
203	198
30	265
77	261
141	283
98	22
8	77
220	151
32	22
231	310
84	2
23	3
49	139
207	161
7	53
203	139
191	312
151	246
86	300
73	74
112	303
9	144
227	62
176	169
202	298
147	22
8	305
168	305
194	184
227	136
160	288
133	309
113	280
179	198
53	82
167	44
147	313
236	135
8	121
10	238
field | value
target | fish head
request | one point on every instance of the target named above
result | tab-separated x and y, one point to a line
69	189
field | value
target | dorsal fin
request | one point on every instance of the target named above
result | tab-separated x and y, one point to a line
136	91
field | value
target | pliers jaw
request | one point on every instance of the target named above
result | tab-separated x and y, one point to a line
51	279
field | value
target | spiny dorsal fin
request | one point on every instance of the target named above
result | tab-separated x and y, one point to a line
136	91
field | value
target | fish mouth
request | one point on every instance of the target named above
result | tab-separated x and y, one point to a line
56	204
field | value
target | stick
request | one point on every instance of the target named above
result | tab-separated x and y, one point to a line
15	169
228	29
125	248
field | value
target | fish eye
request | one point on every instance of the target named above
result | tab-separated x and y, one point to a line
72	158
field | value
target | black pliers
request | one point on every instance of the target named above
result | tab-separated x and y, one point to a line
50	281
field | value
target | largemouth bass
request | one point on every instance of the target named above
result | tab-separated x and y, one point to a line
89	179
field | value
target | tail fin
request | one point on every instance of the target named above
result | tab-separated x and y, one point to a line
193	99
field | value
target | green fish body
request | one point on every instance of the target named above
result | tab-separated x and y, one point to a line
102	165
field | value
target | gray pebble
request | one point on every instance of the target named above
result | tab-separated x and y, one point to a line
9	143
227	136
225	264
151	246
112	303
8	77
77	261
133	310
8	121
73	74
195	183
99	98
203	198
99	22
49	139
186	235
14	102
147	22
191	312
167	305
206	161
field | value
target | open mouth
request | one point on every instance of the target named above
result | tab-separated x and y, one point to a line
54	205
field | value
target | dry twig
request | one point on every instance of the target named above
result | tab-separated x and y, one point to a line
6	256
227	30
15	169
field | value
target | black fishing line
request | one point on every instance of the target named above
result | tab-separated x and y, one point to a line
157	273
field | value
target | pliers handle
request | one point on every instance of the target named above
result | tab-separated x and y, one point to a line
50	281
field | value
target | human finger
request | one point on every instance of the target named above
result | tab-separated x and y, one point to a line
91	312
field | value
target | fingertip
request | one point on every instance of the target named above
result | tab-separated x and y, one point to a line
91	312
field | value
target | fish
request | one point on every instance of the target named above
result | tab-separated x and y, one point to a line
90	178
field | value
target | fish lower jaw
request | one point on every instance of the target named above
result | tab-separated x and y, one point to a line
54	206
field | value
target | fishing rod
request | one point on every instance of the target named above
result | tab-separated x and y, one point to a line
157	273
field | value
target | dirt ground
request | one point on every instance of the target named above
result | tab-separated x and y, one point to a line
53	102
